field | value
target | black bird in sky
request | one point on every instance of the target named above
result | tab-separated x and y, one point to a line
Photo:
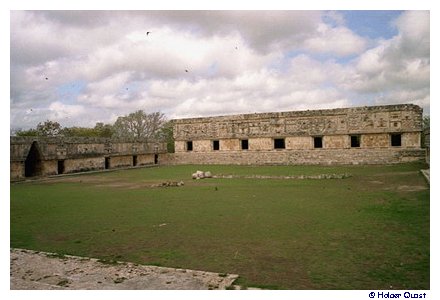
186	71
47	78
148	32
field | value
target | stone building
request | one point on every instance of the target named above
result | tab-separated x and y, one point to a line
359	135
43	156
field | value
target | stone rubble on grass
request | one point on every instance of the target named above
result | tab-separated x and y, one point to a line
201	175
320	176
169	184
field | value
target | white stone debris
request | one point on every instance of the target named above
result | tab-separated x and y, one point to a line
201	175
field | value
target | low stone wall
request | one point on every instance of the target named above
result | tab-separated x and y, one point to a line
297	157
49	167
83	164
121	161
145	159
17	169
44	156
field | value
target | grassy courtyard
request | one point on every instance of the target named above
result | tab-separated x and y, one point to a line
368	231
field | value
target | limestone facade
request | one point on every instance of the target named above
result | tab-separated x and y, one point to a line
43	156
375	134
360	135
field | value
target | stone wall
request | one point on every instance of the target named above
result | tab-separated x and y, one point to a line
342	141
300	137
145	159
49	167
83	164
297	157
121	161
360	135
357	120
43	156
17	169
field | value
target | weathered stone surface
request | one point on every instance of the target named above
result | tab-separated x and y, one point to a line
296	177
292	138
298	157
57	155
368	119
47	271
335	129
201	175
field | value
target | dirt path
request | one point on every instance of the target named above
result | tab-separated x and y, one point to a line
47	271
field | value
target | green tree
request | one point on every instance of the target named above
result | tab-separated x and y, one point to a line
166	134
29	132
78	131
103	130
100	130
426	122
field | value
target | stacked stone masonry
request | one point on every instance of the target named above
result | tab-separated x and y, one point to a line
43	156
360	135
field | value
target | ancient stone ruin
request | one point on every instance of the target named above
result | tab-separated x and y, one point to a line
43	156
360	135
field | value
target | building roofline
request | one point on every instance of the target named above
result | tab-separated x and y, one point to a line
304	113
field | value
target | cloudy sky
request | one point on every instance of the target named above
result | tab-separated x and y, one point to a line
83	67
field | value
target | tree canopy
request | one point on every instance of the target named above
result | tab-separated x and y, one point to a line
46	128
139	124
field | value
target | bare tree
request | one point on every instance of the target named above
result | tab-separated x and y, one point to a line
139	125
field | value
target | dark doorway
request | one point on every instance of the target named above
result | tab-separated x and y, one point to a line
216	145
61	167
355	141
244	144
32	164
135	160
156	159
396	140
317	142
279	144
107	163
189	146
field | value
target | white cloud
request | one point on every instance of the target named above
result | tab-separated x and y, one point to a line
237	62
337	40
399	64
414	33
59	111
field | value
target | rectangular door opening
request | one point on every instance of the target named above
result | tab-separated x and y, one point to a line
216	145
279	144
61	167
396	140
107	163
317	142
156	159
355	141
135	160
244	144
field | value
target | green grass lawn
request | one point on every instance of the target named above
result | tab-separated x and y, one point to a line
369	231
